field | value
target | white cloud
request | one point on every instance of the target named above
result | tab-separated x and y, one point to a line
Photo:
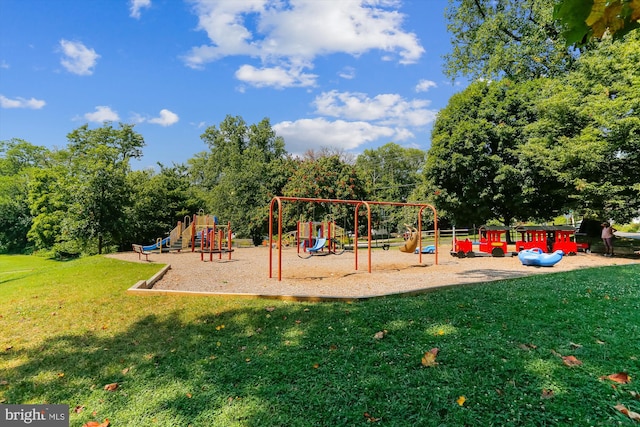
297	31
304	134
102	114
386	109
166	118
34	104
78	59
276	76
347	73
136	6
425	85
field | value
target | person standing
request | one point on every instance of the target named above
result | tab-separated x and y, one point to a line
607	238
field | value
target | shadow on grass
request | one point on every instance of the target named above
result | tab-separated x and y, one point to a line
319	364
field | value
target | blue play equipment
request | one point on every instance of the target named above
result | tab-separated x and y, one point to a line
162	244
431	249
537	258
320	242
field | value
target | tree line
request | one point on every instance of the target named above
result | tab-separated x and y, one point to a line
546	127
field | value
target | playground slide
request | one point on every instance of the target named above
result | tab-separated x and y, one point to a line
163	244
320	242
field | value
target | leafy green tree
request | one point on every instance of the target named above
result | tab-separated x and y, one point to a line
100	190
18	161
160	201
518	39
479	165
80	202
608	84
326	177
391	173
244	169
585	20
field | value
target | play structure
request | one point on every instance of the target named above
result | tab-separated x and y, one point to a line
215	239
319	238
276	205
538	258
491	243
201	233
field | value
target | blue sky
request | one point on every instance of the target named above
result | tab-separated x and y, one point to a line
349	74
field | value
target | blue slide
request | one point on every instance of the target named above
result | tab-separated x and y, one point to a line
163	244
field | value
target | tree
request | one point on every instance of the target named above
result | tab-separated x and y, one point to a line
80	201
608	83
391	173
518	39
583	20
244	169
18	161
326	177
478	167
160	201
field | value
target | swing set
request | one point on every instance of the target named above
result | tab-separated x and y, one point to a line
277	202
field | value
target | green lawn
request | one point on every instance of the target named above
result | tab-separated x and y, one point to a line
67	329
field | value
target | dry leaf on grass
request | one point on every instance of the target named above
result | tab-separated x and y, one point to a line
370	418
546	393
429	358
106	423
620	378
111	387
571	361
633	415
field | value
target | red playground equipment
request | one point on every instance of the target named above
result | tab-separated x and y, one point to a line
490	244
549	238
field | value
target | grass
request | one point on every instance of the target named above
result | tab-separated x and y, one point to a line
68	328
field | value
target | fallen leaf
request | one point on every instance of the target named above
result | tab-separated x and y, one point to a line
378	335
600	342
106	423
460	401
574	345
633	415
4	382
635	394
219	327
370	418
546	393
125	371
60	374
571	361
189	395
429	358
270	308
7	348
316	365
78	409
620	378
111	387
528	347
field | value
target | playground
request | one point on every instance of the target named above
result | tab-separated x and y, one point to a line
334	277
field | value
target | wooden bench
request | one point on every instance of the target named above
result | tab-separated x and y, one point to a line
140	251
